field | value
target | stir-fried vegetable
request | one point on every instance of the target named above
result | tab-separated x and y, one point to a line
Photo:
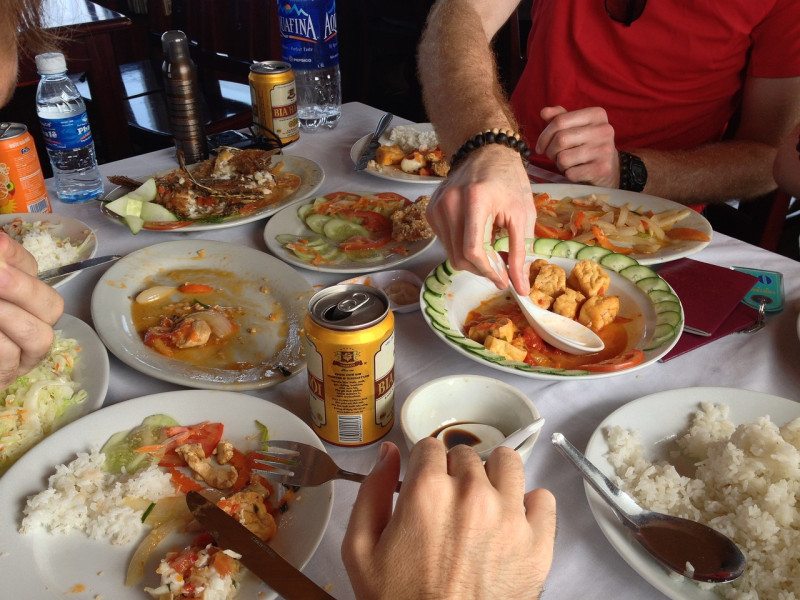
623	229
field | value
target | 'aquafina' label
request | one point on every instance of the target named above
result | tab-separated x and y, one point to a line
308	33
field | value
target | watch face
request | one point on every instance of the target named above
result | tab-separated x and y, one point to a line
638	171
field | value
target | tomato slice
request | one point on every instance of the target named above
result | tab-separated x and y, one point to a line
379	227
166	225
626	360
393	197
342	196
207	435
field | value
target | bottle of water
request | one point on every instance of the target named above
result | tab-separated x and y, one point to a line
67	135
309	44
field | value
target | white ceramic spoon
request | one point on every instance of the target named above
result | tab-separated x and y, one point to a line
491	437
558	331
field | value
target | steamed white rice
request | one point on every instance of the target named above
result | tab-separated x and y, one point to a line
745	483
49	251
410	138
82	496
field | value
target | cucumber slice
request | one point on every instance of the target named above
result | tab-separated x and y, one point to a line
441	273
434	301
567	249
286	238
304	211
652	283
544	246
659	296
435	286
155	213
316	222
146	192
668	306
501	244
662	334
120	206
339	230
594	253
670	317
134	223
365	256
617	262
637	272
319	200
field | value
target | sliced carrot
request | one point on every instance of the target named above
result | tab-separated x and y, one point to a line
604	242
195	288
185	483
687	233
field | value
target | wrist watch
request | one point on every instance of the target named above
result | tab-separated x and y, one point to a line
632	172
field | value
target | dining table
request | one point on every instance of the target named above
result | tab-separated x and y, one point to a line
585	565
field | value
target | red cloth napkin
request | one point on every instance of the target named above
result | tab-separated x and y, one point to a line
709	293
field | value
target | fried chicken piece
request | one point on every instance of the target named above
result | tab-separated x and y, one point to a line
410	224
440	168
249	509
541	299
568	303
599	311
589	278
534	268
214	475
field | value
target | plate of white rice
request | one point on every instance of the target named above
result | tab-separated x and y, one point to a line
82	531
415	136
54	240
726	457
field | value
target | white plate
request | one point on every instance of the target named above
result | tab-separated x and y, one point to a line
54	565
91	369
383	279
287	221
660	418
64	227
251	270
391	172
448	296
311	175
677	249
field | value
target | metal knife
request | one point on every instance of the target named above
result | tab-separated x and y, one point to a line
78	266
368	153
257	555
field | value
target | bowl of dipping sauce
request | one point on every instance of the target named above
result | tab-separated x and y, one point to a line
467	409
402	287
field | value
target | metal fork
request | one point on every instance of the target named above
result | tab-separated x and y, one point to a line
295	463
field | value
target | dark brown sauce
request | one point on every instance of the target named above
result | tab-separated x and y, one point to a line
455	436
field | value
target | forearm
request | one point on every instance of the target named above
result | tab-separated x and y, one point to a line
710	174
457	69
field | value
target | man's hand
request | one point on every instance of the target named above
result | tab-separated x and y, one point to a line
28	310
490	185
459	529
581	143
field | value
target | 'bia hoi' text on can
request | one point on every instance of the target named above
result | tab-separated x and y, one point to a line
22	188
273	94
349	336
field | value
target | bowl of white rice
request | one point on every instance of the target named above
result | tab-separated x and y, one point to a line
53	240
726	457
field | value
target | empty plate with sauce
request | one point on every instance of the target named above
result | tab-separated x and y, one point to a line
401	286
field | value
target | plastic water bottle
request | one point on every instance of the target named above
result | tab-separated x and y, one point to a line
309	43
67	135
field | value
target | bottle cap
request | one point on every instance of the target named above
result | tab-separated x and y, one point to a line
175	45
50	63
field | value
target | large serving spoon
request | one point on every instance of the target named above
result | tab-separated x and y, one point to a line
558	331
675	542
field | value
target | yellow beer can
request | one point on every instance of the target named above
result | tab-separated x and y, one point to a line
273	95
349	338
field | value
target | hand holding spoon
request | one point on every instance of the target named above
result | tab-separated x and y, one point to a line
673	541
557	330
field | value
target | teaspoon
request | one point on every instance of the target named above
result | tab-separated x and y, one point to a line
675	542
558	331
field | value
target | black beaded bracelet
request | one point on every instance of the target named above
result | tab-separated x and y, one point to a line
506	137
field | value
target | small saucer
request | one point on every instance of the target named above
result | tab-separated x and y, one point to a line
401	286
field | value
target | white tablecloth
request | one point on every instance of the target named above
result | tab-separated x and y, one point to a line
585	565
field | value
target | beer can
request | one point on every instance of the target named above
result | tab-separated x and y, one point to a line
349	339
273	94
22	188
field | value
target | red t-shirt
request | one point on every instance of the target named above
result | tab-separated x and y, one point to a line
671	80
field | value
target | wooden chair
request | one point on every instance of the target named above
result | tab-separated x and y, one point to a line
226	36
